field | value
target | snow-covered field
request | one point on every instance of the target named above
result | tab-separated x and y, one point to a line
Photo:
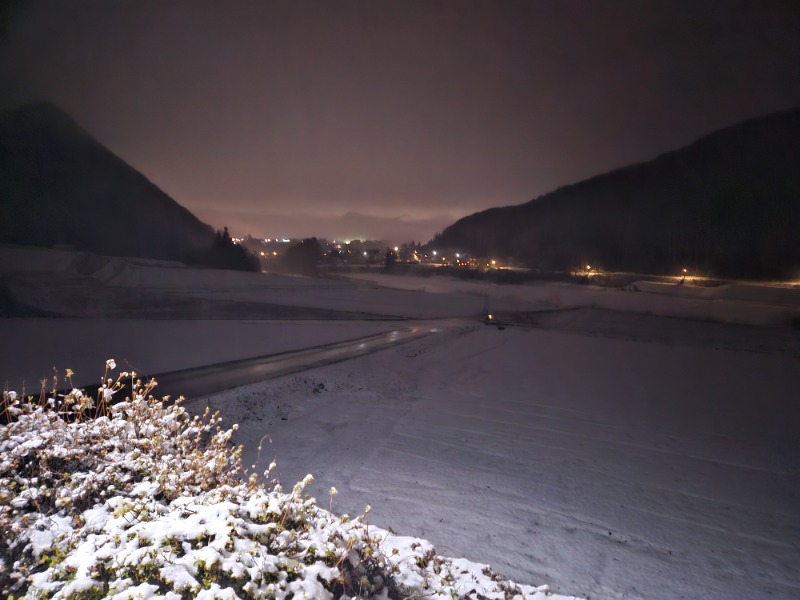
661	462
742	303
605	468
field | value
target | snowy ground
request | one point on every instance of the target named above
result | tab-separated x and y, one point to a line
608	452
741	303
605	468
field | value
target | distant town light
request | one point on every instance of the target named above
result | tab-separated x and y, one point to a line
434	252
396	248
458	255
365	253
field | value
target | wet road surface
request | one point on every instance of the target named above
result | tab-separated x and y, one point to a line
203	381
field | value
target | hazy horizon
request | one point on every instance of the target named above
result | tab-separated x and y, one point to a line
345	226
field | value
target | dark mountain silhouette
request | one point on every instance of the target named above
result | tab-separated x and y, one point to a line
728	205
60	186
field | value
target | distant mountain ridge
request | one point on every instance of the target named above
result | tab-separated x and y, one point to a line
58	185
348	226
728	204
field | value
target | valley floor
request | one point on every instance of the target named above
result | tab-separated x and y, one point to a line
613	444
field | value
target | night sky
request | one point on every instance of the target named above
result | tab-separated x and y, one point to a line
276	117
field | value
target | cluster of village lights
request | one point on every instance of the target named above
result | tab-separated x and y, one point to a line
438	259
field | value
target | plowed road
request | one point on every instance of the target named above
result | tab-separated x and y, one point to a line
203	381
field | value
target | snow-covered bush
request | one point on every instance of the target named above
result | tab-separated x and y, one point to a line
140	500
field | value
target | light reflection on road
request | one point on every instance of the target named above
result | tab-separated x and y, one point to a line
202	381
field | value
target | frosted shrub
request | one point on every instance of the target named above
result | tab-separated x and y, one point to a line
144	497
140	500
56	462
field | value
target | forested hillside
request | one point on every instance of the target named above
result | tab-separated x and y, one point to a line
728	204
